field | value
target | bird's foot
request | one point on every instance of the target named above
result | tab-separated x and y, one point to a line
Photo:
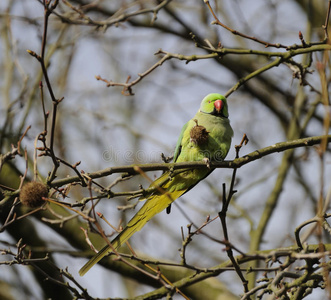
206	160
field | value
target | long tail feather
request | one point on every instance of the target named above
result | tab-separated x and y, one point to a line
152	206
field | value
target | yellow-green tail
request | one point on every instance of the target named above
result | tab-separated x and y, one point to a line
94	260
152	206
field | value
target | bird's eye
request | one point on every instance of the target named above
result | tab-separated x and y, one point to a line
209	101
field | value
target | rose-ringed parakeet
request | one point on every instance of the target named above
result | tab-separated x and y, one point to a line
205	137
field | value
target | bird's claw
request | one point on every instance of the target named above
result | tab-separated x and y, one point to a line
207	162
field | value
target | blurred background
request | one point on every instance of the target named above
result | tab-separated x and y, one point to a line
103	126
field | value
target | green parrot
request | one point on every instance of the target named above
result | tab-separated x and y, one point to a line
205	137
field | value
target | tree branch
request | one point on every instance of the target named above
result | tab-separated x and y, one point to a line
236	163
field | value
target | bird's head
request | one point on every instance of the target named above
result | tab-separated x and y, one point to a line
215	104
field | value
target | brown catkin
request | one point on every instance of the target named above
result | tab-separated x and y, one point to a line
199	134
32	193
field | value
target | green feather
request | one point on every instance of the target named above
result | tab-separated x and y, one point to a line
213	116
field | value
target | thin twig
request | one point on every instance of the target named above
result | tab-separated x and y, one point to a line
222	215
325	26
235	32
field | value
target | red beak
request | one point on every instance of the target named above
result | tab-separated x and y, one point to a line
219	105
